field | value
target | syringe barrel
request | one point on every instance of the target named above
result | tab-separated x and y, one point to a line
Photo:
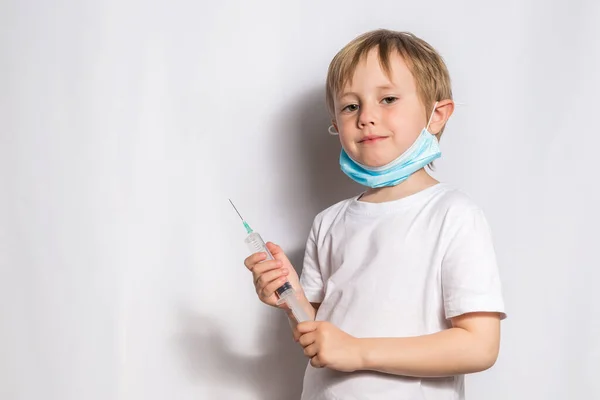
257	245
289	296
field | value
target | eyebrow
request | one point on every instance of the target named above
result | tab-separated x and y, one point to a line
348	94
386	87
382	87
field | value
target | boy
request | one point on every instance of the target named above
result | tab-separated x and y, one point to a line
402	279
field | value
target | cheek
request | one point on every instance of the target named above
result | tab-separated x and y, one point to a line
344	123
346	143
346	133
394	118
405	126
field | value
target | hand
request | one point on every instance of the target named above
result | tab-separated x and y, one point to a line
328	346
271	274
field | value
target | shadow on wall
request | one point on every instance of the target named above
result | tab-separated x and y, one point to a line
321	182
278	373
325	183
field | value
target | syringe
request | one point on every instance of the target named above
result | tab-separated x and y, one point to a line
286	292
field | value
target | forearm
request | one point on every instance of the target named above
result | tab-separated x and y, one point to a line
450	352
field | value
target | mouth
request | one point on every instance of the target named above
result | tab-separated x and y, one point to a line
371	139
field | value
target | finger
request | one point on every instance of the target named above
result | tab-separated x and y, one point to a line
315	362
277	252
268	290
265	266
254	259
307	339
297	335
311	351
308	326
269	276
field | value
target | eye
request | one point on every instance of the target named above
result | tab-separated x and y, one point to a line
350	108
389	99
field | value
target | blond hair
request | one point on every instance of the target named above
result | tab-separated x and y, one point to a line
426	65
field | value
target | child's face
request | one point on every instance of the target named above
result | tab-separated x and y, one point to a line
377	117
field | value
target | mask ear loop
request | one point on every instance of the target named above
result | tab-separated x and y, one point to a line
332	130
431	165
431	117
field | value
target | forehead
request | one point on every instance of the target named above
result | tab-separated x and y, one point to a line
374	71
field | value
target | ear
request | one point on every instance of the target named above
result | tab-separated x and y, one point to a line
335	131
441	115
335	125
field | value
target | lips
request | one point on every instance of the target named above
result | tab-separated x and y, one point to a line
371	139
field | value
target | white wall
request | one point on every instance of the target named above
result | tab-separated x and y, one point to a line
125	126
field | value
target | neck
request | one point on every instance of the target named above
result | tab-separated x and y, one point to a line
418	181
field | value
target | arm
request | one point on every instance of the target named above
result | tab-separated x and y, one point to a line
471	345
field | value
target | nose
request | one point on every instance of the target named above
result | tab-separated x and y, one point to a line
367	116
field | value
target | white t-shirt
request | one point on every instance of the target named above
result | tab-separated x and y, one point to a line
396	269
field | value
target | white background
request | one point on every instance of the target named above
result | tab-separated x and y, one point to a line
125	126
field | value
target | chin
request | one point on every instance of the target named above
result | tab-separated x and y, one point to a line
376	161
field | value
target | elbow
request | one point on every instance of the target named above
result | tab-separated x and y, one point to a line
483	355
483	339
487	358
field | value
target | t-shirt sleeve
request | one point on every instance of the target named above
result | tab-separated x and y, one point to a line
470	276
311	279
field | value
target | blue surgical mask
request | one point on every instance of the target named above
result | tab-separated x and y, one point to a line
422	152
